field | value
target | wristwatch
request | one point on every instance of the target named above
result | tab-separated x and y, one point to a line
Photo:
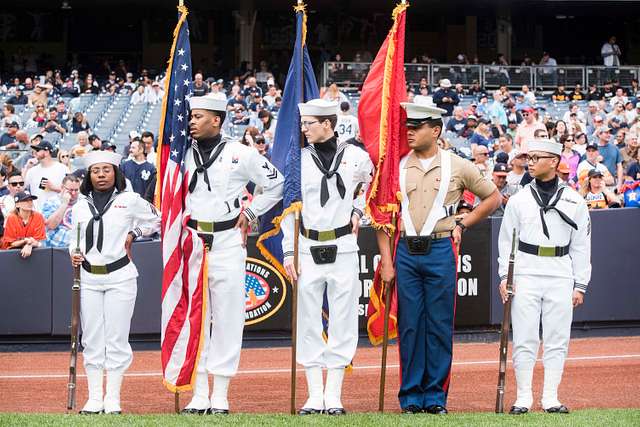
463	227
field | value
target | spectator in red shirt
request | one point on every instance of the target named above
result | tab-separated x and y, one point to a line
25	227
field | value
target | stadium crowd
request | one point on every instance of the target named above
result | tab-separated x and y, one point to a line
39	180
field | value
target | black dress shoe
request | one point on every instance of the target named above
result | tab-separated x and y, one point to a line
216	411
90	412
336	411
310	411
412	409
518	410
557	410
193	411
436	409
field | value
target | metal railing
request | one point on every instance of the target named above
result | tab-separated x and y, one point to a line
351	75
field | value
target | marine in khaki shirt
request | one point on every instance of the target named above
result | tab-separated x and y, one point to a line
426	256
423	185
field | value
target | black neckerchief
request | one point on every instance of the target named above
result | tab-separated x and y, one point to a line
546	191
99	203
332	170
208	149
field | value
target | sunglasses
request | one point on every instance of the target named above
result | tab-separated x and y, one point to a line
15	184
66	156
260	142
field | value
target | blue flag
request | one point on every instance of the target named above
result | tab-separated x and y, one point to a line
300	86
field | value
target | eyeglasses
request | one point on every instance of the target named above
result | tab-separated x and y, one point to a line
569	139
261	141
15	184
307	124
535	158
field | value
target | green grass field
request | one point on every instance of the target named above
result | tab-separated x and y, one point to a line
591	417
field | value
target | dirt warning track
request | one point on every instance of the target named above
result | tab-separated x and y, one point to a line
599	373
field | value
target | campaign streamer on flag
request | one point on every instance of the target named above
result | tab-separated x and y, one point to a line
299	87
184	277
381	121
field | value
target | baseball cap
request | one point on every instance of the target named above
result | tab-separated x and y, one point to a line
23	196
93	137
36	136
502	157
594	172
528	109
43	145
602	129
501	169
592	145
106	145
484	120
472	117
563	167
13	124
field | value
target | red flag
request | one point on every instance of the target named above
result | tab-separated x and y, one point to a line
381	120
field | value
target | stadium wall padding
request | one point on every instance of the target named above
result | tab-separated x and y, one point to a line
35	295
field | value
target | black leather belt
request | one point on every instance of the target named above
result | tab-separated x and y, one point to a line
326	235
212	227
106	269
548	251
432	236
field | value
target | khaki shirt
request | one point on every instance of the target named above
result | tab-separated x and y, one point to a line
422	187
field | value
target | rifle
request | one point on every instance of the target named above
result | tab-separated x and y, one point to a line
75	318
504	332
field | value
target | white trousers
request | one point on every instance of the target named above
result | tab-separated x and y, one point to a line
105	315
226	309
547	298
343	286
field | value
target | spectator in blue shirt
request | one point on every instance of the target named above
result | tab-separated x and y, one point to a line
611	156
446	97
57	213
482	134
138	171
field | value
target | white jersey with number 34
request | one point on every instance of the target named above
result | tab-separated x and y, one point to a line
347	127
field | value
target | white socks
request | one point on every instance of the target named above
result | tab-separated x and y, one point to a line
220	390
524	397
200	399
333	389
552	378
94	380
315	388
112	397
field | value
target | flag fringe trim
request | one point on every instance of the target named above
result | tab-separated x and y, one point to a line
377	303
295	206
386	87
167	79
302	7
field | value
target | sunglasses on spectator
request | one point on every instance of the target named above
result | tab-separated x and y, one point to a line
260	141
15	184
483	154
525	114
64	156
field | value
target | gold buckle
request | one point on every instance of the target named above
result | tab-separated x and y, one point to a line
323	236
99	269
204	227
546	251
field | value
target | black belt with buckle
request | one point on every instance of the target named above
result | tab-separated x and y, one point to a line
546	251
324	236
206	229
212	227
421	245
106	269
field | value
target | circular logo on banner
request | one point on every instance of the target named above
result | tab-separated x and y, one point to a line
264	289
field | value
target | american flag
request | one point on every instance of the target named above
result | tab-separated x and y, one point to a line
184	279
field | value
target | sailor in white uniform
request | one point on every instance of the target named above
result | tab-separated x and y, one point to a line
219	170
110	219
333	177
552	271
